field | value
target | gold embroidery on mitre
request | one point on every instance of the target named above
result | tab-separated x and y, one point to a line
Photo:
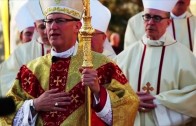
57	1
148	88
68	11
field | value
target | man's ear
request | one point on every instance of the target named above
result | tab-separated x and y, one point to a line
78	25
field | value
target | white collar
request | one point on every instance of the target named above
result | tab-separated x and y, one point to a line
184	15
165	39
149	42
70	52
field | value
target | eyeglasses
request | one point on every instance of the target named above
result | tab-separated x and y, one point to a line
156	18
59	21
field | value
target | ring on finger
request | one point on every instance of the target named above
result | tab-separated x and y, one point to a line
143	109
56	104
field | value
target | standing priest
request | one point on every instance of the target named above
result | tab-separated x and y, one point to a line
181	28
161	71
49	91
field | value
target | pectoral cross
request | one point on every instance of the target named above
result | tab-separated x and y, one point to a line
57	81
148	88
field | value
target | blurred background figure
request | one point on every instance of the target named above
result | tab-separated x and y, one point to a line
25	24
115	42
182	26
38	46
121	12
193	7
100	42
26	34
181	9
108	34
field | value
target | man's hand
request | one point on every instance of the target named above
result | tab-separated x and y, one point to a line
146	102
52	100
90	78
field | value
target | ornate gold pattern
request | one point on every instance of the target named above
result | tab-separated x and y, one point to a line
75	118
120	94
42	70
86	33
68	11
148	88
120	104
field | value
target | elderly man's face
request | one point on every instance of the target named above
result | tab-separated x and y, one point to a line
41	29
181	7
62	31
156	23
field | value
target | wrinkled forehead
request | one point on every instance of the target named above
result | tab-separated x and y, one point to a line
155	12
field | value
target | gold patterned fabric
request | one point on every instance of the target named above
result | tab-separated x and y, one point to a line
74	9
42	74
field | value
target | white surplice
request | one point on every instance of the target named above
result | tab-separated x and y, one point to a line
175	72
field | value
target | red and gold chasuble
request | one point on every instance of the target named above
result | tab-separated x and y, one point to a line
63	73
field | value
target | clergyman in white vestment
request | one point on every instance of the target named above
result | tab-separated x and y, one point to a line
181	28
156	67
